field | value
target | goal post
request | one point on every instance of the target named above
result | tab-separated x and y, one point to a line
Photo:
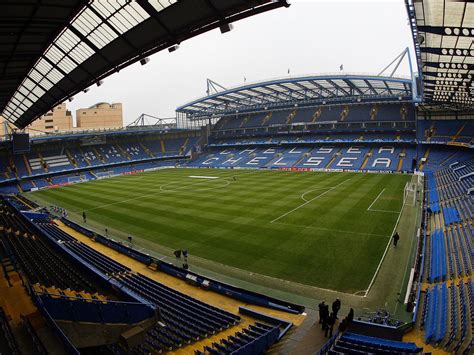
409	193
104	174
74	179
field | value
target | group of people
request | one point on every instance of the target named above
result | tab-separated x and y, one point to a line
328	319
58	210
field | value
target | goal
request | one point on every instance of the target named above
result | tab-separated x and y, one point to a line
409	194
74	179
104	174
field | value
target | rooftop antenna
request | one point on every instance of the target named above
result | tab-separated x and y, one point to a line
213	87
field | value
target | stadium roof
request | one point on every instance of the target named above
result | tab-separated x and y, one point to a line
443	32
52	49
301	91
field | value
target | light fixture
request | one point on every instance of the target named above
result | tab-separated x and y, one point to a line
100	82
173	48
226	27
144	61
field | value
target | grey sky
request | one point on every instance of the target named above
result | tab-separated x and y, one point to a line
308	37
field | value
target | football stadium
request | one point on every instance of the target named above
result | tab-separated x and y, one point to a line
309	214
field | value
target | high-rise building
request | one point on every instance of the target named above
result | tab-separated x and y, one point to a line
100	115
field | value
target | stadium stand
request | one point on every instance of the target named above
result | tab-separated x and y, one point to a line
255	339
353	343
53	164
7	341
187	319
449	252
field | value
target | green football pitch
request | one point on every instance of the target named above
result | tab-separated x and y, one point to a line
328	230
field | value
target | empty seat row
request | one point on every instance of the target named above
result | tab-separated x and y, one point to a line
255	339
8	344
353	343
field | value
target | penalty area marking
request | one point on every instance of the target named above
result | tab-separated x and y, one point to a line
380	194
316	189
373	202
304	204
384	253
202	177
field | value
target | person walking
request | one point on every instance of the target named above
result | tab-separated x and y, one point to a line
396	237
336	306
84	216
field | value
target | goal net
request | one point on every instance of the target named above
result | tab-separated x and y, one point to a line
409	194
104	174
74	179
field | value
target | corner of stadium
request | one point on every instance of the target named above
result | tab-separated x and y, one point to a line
223	229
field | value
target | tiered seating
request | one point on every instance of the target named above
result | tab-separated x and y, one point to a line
180	312
436	314
444	131
255	339
40	261
85	157
446	316
350	158
433	193
44	265
183	319
187	319
338	113
135	151
448	308
19	165
315	157
8	344
352	343
451	215
56	162
93	309
438	271
111	154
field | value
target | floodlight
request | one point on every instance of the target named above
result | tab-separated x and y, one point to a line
226	27
173	48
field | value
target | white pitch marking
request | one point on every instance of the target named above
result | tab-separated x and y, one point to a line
318	188
203	177
381	192
304	204
385	211
384	253
162	190
331	230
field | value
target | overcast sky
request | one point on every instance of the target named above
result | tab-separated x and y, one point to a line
311	36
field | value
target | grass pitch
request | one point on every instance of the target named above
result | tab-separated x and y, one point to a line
322	229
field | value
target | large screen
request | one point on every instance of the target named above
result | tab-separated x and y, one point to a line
20	142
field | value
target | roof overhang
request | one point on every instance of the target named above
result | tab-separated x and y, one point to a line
56	49
443	34
300	91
